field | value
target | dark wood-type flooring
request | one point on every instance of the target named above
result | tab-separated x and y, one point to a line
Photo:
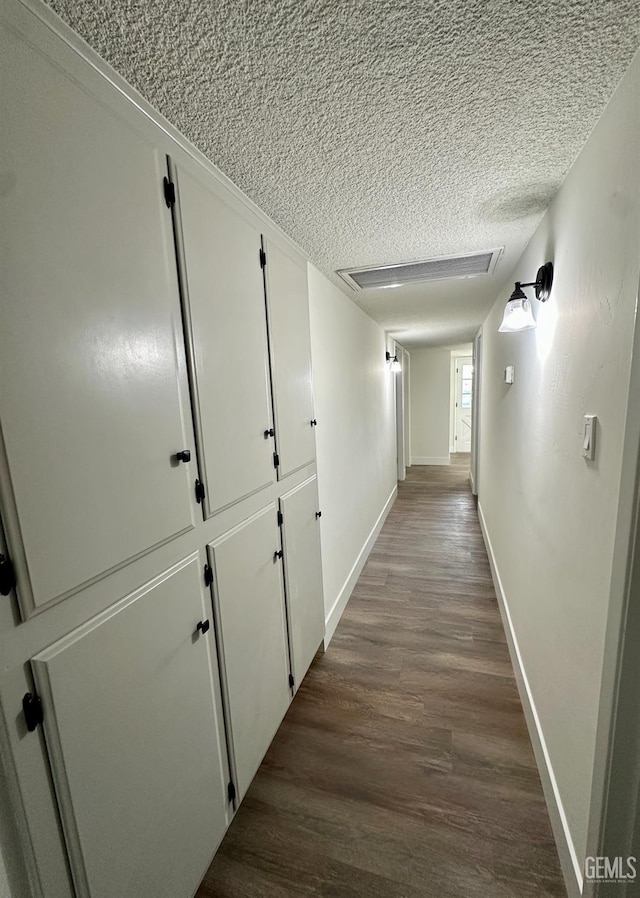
403	768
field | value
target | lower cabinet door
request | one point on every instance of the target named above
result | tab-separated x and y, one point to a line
130	717
249	602
303	574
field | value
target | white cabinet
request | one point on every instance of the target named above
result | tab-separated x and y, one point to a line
288	309
251	626
126	376
92	406
223	295
135	743
303	574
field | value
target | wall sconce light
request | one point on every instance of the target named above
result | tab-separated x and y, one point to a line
395	364
517	314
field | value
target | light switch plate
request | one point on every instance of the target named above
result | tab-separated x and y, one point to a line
589	437
509	374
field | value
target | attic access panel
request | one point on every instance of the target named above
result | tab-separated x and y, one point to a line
403	273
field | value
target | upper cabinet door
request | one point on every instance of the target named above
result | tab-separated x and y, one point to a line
288	308
303	574
91	356
137	750
223	294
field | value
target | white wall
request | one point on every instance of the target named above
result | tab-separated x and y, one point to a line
430	406
4	883
14	881
550	516
355	437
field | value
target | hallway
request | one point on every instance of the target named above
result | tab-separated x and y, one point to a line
403	768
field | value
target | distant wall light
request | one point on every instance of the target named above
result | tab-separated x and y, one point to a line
395	364
517	314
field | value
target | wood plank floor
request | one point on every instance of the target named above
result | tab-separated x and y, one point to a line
403	768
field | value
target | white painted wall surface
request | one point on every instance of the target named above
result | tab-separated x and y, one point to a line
430	396
4	884
550	515
13	876
355	437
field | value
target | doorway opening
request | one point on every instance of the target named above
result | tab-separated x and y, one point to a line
462	411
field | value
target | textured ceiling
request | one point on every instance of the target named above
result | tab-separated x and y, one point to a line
379	131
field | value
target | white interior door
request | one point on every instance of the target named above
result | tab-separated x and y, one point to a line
303	574
288	307
249	600
475	423
91	358
223	290
399	377
135	744
464	403
406	375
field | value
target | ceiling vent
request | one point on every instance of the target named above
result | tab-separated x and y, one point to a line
405	273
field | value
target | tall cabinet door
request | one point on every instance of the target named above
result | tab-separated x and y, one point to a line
303	574
288	308
91	356
251	627
136	747
223	293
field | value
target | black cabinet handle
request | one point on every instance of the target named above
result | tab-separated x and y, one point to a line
318	514
277	554
203	626
184	456
269	433
7	576
313	422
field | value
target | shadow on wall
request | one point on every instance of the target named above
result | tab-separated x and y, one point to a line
533	202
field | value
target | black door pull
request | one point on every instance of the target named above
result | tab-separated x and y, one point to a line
184	456
313	422
318	514
277	554
203	626
269	433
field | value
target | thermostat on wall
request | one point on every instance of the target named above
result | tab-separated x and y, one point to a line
509	374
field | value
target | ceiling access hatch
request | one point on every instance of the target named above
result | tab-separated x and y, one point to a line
405	273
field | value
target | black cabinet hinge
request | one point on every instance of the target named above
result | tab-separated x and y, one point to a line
231	792
277	554
7	576
32	710
276	460
169	193
208	575
263	259
292	682
199	488
280	519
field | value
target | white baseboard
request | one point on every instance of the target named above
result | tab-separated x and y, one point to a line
427	460
571	867
333	618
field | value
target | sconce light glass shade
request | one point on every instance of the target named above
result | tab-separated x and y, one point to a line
517	314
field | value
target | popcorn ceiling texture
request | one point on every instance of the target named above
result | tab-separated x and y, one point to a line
379	131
